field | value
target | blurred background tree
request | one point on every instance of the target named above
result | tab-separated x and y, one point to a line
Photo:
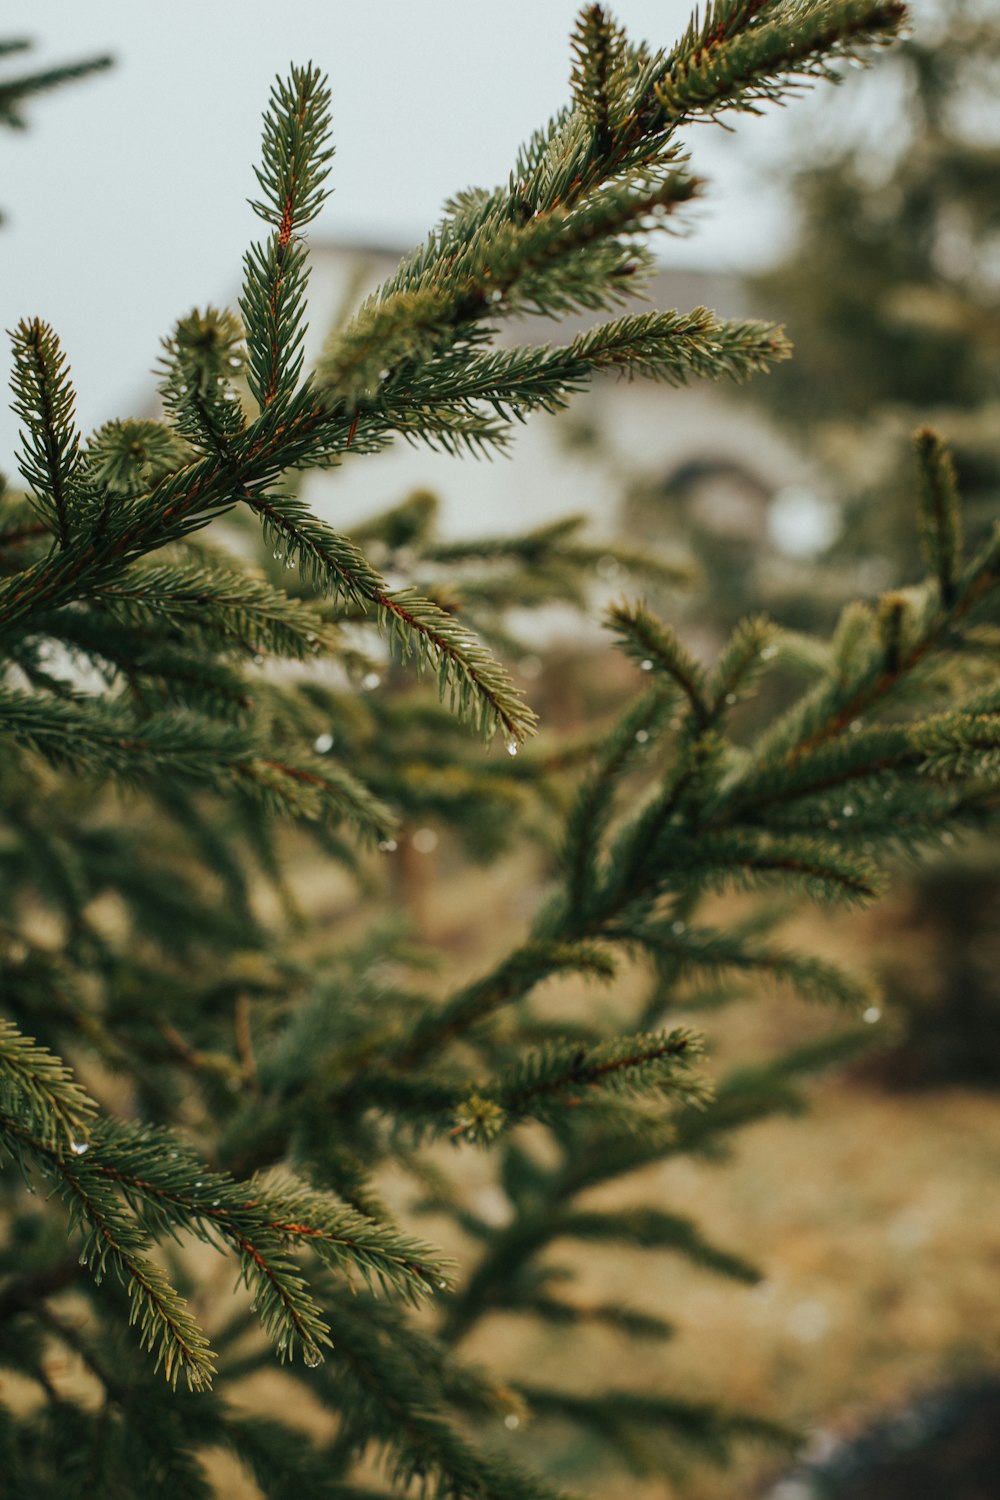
891	283
891	291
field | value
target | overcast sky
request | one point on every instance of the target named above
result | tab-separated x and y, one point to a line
126	200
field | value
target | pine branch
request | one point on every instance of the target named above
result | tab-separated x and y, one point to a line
553	549
296	160
745	858
128	457
512	978
598	69
546	1083
591	812
653	1229
940	515
224	603
882	753
671	347
167	1187
14	90
295	152
711	952
559	1314
748	1094
555	263
764	50
199	362
387	1398
45	401
542	1220
99	739
694	834
635	1423
753	644
115	1241
474	684
41	1089
861	678
657	648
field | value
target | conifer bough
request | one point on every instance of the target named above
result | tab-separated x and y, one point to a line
134	640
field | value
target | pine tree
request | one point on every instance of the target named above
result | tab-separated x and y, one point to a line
180	1068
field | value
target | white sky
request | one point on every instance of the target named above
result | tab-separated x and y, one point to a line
126	199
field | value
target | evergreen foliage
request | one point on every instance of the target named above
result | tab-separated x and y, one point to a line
237	1081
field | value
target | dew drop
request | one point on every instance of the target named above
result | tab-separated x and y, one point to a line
199	1183
322	743
856	726
388	846
216	1202
847	810
677	928
425	840
370	681
646	665
442	1286
872	1014
511	1422
511	747
312	1357
83	1260
730	699
641	736
79	1148
768	653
